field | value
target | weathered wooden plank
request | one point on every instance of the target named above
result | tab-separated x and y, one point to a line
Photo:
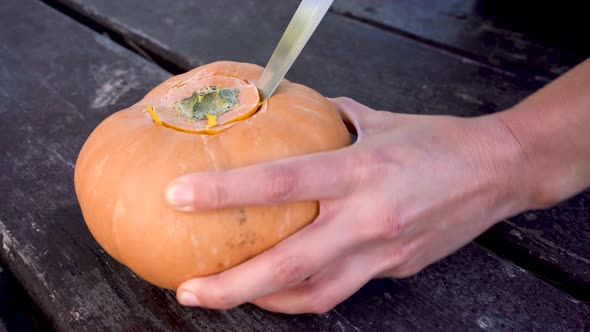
58	81
17	312
537	39
553	240
381	69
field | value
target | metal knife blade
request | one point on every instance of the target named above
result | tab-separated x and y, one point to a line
302	25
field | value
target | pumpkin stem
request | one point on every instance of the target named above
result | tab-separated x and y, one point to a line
205	102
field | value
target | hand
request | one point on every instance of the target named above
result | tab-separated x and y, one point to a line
409	192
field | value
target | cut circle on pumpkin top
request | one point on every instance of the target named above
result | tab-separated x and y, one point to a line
217	101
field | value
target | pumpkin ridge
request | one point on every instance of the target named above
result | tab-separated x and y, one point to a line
142	140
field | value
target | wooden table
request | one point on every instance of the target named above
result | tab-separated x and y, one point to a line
65	65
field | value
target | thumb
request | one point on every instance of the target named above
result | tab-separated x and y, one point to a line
355	115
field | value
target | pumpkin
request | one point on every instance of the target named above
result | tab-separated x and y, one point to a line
208	119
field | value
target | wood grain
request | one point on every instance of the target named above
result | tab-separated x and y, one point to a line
17	311
60	80
538	39
388	71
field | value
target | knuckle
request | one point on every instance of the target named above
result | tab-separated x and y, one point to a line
390	225
386	224
318	303
218	197
396	255
338	99
283	182
405	271
356	169
370	164
264	303
289	269
344	99
321	307
219	299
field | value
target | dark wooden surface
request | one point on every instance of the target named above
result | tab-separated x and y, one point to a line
59	79
387	70
537	39
17	311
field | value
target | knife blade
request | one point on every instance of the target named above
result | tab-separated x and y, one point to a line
303	24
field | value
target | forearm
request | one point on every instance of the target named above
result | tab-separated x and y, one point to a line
553	128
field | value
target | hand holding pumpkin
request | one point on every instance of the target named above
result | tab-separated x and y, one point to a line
409	192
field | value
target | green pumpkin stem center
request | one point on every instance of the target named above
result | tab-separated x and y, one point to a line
208	100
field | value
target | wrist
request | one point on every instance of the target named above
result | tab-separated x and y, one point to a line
554	170
503	165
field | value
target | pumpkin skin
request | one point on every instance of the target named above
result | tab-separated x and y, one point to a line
126	164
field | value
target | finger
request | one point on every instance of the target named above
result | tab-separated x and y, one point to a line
324	175
350	110
283	266
418	256
349	114
323	291
331	286
365	119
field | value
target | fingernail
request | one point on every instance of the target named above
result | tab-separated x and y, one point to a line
188	299
180	195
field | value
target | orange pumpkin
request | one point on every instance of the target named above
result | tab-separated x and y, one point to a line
208	119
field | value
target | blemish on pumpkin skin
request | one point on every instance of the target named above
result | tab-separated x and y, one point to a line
210	154
180	84
242	216
244	240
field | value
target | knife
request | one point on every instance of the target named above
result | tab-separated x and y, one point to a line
302	25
